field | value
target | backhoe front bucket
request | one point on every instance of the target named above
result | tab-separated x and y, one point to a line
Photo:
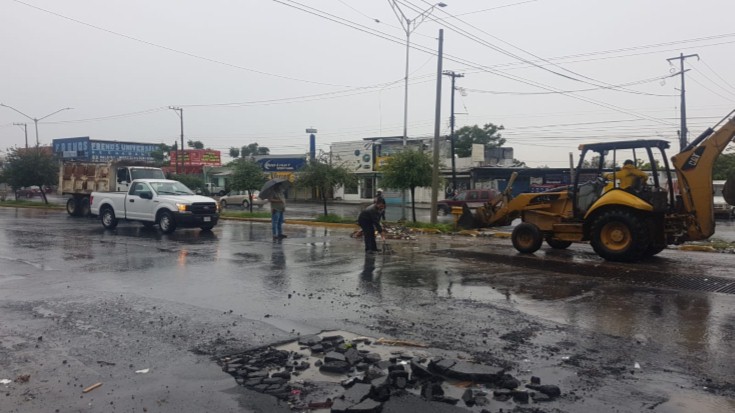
467	219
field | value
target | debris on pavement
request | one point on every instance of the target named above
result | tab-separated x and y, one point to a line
23	378
5	381
92	387
393	231
363	380
143	371
404	343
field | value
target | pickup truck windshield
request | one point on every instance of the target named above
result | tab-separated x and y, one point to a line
145	173
171	188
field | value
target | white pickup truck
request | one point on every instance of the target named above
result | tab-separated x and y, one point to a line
170	204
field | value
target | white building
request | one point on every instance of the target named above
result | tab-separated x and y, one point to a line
365	156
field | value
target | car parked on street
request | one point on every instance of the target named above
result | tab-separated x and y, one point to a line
31	191
473	198
241	198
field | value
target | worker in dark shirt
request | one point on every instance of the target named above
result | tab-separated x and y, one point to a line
369	221
379	198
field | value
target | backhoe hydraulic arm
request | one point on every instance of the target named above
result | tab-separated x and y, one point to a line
693	168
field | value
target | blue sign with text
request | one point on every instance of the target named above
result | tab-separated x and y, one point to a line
83	148
281	164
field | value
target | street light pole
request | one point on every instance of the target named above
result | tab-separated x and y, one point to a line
35	120
409	25
454	76
25	129
180	112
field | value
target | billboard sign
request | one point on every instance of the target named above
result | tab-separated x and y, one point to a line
206	157
281	164
83	148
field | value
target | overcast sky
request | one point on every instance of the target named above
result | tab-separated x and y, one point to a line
554	73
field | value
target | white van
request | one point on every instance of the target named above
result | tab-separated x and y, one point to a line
722	208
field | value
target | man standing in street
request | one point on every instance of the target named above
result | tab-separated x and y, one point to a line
369	221
278	207
379	198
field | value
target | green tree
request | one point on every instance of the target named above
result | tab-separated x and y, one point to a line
408	169
466	136
195	144
248	176
234	152
325	178
30	167
253	149
724	166
161	155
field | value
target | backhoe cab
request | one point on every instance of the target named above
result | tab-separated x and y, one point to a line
625	215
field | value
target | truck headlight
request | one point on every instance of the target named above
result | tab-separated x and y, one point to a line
183	207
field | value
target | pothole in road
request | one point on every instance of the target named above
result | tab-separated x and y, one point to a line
338	371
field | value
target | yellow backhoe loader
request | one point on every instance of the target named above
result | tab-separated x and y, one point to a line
622	223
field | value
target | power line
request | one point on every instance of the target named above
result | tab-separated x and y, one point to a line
495	92
170	49
501	50
716	74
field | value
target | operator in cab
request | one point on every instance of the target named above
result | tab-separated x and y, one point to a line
629	176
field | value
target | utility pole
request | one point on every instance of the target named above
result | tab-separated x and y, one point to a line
180	112
437	126
683	132
25	128
454	76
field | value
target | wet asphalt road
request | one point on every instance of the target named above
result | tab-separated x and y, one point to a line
83	305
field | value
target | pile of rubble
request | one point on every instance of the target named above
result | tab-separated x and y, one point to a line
393	231
368	380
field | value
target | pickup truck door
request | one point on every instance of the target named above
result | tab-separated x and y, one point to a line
137	207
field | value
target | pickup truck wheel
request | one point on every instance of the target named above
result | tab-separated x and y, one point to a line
223	204
620	235
107	217
527	238
167	222
71	207
207	227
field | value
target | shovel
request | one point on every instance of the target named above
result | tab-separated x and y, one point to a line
386	248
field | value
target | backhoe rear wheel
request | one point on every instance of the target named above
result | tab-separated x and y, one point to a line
620	235
527	238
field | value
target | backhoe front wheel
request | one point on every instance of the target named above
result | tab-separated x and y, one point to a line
527	238
620	235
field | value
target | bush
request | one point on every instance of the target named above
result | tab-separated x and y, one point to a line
335	219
